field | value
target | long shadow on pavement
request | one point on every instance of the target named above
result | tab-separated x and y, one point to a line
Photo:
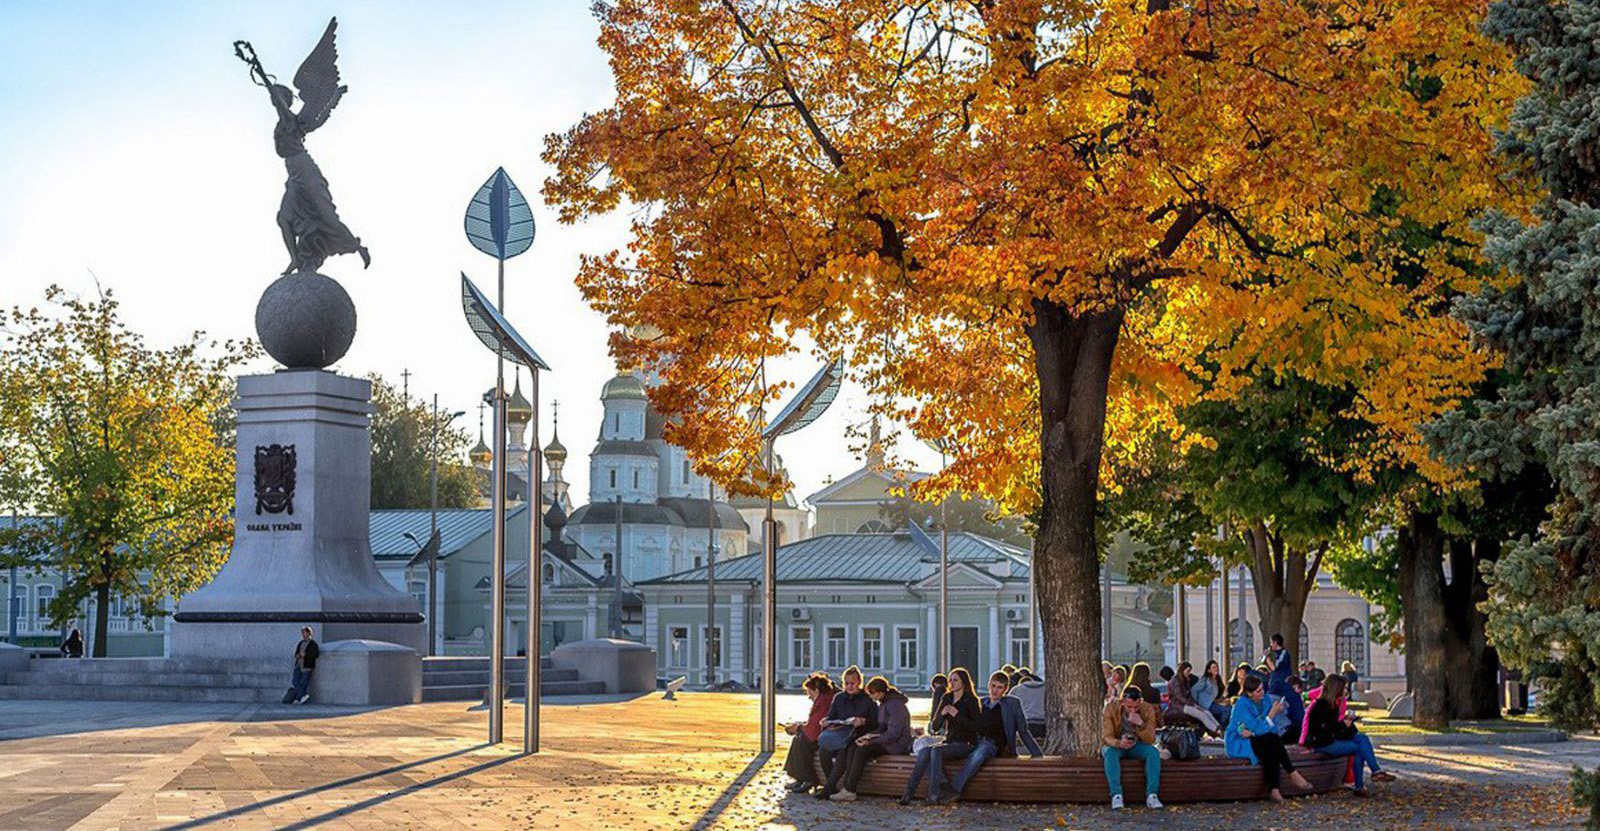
351	780
731	792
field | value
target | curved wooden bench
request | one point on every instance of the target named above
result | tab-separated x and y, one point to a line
1063	779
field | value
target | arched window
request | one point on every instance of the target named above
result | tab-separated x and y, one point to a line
1305	644
636	478
549	573
1350	644
873	526
1241	643
607	559
613	478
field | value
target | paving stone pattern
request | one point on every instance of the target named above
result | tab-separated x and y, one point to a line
609	763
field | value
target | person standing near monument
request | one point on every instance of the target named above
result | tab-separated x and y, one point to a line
305	660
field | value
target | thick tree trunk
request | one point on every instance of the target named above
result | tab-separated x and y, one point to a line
1474	664
1072	355
102	614
1425	622
1279	573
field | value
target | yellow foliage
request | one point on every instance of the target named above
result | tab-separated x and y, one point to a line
904	182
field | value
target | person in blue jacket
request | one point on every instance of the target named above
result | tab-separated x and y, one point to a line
1251	736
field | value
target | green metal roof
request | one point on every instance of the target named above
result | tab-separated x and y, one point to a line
861	558
458	527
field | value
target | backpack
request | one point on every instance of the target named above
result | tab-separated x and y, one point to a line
1181	742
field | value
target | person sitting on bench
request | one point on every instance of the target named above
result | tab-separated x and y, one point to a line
1207	692
819	688
1141	678
937	685
1332	730
852	714
1251	736
1030	691
957	713
997	725
1181	700
893	738
1129	730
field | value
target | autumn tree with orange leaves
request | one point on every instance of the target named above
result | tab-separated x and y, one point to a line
1026	222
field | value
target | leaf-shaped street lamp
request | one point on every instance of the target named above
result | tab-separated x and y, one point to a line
499	223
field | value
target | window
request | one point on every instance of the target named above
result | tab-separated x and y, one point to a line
43	594
799	647
906	637
698	562
607	559
1305	643
686	471
613	478
872	647
836	647
714	643
872	526
678	646
1241	643
1350	644
549	573
616	423
1019	647
416	588
636	478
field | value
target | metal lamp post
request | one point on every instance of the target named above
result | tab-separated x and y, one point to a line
808	405
711	585
433	527
500	223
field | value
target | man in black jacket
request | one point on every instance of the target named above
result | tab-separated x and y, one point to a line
305	660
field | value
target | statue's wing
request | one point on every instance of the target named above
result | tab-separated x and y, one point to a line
318	81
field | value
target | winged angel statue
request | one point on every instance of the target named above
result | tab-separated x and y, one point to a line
310	224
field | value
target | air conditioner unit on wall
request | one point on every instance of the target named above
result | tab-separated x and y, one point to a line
1013	614
800	613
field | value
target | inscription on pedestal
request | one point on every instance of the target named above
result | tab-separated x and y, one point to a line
272	526
274	481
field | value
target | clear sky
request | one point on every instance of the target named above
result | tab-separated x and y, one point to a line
134	150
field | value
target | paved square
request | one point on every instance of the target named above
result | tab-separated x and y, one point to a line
607	763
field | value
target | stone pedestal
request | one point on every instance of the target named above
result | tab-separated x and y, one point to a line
623	666
300	553
13	658
367	672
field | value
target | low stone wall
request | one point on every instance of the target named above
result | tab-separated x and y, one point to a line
363	672
623	666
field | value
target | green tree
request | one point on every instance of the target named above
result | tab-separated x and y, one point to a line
1274	471
1544	590
402	454
124	448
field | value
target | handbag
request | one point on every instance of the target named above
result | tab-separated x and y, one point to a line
932	740
1181	742
834	739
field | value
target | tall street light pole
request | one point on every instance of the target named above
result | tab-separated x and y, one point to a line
711	584
808	404
616	577
499	223
535	635
433	527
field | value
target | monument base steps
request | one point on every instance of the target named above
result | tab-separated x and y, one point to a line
147	679
466	679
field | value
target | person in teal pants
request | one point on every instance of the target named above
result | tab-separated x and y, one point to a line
1129	730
